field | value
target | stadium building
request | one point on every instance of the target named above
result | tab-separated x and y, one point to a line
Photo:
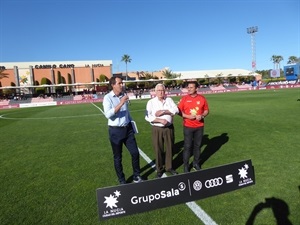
34	78
68	75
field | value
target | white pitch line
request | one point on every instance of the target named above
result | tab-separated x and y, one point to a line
197	210
45	118
98	108
201	214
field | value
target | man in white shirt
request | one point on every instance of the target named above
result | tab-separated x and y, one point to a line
159	113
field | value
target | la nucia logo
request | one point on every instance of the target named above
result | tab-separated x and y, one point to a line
154	197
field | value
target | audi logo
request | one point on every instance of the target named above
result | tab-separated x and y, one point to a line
214	182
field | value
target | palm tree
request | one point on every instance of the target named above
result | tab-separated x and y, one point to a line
207	78
276	60
229	76
167	74
126	58
293	60
218	76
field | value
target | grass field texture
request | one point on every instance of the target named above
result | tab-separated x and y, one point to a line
54	158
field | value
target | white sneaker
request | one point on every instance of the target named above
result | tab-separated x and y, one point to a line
137	179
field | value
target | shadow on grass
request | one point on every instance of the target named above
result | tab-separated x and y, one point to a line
212	145
149	168
279	207
177	150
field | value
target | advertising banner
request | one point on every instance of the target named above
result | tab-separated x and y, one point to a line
153	194
275	73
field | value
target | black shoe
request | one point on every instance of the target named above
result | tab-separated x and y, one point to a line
122	182
173	172
196	167
137	179
186	169
159	174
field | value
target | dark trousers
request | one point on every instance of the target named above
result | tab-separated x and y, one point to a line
163	141
119	136
192	144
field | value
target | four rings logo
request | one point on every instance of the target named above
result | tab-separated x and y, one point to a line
214	182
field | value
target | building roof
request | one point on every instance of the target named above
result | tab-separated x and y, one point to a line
87	63
215	73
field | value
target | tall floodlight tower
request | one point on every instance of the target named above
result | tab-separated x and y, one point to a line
252	31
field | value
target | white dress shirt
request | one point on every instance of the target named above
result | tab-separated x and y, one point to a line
155	105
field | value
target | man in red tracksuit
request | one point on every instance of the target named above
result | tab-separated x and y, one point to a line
193	108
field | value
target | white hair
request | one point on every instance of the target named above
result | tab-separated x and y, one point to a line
160	85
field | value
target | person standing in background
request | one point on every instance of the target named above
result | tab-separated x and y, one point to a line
159	113
193	108
120	129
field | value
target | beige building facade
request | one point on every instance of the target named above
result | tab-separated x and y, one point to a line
28	74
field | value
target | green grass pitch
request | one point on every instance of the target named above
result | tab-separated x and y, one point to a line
54	158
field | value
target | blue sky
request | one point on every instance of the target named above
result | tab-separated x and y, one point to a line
178	34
